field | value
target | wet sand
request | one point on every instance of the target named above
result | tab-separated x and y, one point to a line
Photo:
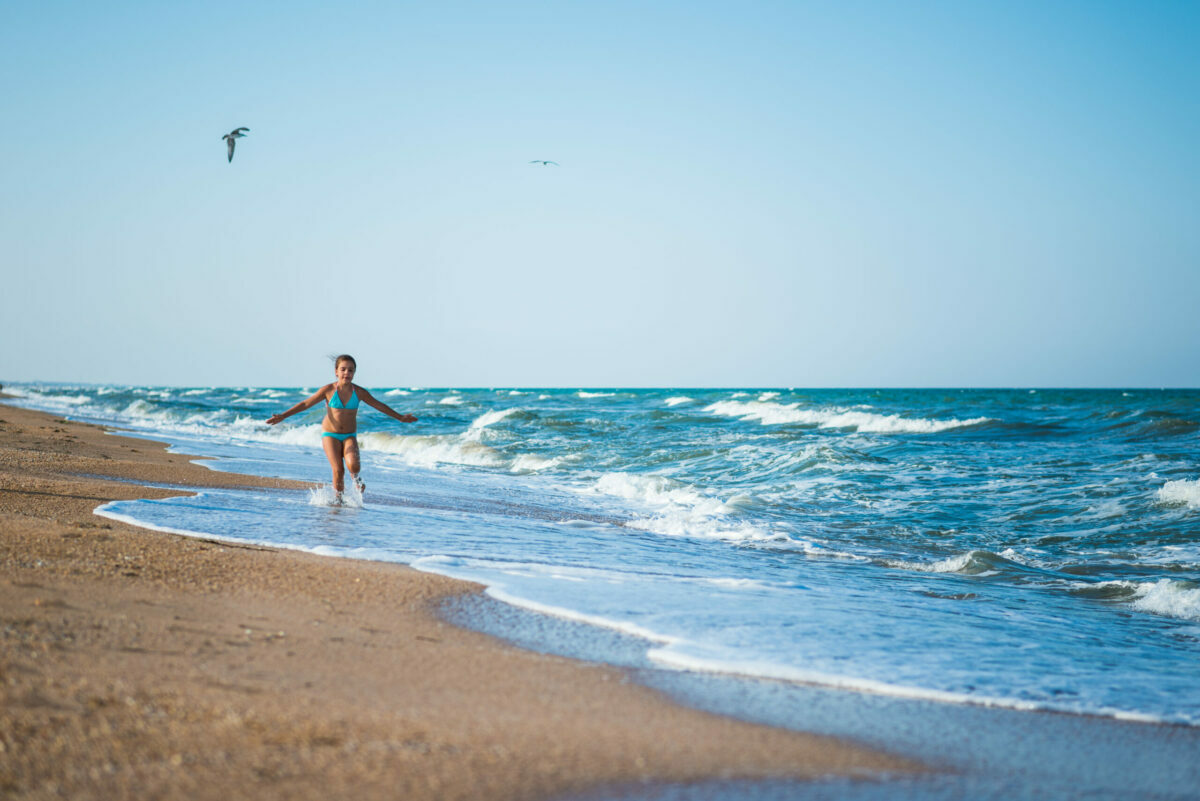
139	664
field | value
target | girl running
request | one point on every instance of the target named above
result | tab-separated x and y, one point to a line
341	420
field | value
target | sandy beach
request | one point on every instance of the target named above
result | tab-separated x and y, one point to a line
139	664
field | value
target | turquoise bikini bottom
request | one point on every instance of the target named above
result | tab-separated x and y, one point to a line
339	437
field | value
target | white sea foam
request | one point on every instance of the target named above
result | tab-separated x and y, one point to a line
679	510
309	436
147	414
430	450
975	563
107	511
488	418
676	401
522	463
771	413
1021	559
396	392
1168	597
57	400
466	448
655	489
675	656
675	652
682	511
455	568
570	614
326	495
951	564
735	583
1104	510
530	463
1183	492
585	394
522	569
697	525
452	400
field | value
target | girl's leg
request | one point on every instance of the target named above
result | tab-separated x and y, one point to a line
350	453
333	450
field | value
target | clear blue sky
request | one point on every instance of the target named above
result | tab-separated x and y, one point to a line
750	194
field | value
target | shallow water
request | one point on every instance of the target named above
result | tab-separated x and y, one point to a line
1012	548
971	752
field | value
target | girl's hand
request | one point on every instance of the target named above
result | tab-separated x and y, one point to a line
273	419
407	418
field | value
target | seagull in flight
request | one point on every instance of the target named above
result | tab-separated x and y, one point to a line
232	137
544	163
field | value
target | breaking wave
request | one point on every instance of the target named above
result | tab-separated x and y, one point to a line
1181	492
771	413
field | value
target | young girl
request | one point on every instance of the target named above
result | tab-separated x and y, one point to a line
341	420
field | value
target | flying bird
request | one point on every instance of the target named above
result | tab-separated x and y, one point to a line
232	137
544	163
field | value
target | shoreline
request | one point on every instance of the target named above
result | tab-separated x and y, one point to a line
139	662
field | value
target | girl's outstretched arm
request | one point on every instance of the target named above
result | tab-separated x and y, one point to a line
317	397
369	399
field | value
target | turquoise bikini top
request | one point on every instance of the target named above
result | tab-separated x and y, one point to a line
336	401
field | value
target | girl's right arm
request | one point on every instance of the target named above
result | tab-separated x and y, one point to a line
317	397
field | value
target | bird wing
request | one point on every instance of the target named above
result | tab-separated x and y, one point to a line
237	131
232	141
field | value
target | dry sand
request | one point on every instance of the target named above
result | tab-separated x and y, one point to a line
137	664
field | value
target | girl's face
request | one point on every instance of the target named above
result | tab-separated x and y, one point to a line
344	372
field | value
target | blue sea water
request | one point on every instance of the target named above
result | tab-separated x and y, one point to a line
1027	549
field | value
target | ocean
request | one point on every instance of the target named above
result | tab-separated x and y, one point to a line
1025	549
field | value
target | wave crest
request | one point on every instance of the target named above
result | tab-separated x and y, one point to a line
1168	597
771	413
680	510
971	563
429	450
1181	492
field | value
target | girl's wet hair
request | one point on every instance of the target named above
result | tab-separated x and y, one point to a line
345	357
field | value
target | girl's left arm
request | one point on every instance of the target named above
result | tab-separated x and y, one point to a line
369	399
